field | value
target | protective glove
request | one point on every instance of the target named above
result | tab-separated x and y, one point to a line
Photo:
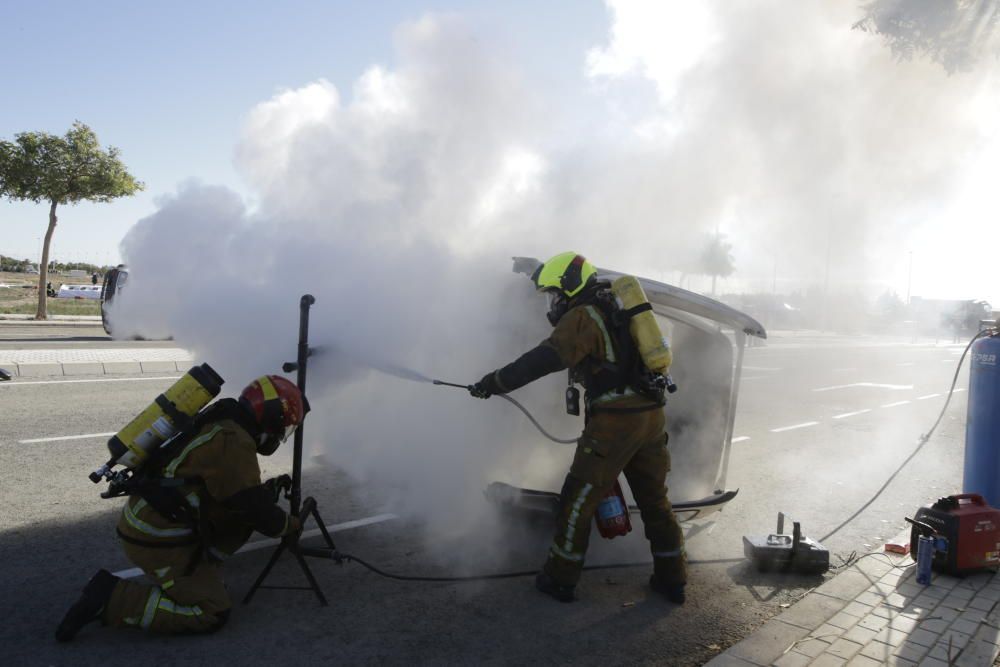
486	387
278	484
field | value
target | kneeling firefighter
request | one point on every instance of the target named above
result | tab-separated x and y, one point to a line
624	420
199	500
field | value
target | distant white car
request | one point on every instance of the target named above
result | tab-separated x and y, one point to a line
79	291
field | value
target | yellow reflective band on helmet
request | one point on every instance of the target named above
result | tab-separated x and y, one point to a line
553	274
267	387
194	444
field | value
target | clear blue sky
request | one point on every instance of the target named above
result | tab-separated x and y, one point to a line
169	83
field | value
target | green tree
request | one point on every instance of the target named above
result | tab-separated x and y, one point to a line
716	259
42	167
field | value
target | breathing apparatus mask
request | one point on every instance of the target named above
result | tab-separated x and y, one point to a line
268	443
558	306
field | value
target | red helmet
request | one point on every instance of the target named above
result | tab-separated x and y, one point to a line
277	404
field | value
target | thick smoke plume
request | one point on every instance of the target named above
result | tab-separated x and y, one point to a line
399	205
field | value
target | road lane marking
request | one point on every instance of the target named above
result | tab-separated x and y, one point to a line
851	414
892	405
67	437
742	438
866	384
924	398
143	379
271	542
793	427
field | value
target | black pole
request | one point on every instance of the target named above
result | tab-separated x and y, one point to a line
307	300
303	509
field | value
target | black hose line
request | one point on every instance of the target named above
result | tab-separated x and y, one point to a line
348	558
924	439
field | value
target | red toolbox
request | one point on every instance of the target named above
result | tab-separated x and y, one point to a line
972	529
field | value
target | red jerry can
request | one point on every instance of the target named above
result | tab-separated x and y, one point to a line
612	514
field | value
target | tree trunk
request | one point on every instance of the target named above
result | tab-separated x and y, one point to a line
43	268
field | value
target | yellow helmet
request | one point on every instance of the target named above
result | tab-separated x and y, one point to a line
567	272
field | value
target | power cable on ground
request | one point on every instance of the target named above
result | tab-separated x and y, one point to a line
923	441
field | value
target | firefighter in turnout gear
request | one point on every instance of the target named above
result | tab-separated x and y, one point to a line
625	427
202	501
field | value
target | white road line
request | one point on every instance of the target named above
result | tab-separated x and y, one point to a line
892	405
67	437
866	384
263	544
143	379
924	398
851	414
742	438
793	427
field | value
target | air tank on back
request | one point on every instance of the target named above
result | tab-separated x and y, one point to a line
982	426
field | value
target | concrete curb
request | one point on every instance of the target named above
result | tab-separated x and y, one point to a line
76	368
54	320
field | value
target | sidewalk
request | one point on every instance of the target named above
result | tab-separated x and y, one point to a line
875	613
107	361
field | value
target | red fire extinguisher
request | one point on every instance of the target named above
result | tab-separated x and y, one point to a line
612	514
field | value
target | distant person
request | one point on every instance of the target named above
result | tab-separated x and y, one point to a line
624	428
182	543
93	278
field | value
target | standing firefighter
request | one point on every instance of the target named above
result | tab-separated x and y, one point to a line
202	501
624	423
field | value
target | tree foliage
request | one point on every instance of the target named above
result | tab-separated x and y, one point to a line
952	33
41	167
716	259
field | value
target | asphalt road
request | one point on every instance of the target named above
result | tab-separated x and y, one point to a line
59	335
821	424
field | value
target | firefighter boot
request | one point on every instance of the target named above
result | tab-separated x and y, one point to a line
88	608
673	592
547	585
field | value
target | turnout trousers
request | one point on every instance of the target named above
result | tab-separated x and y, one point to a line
612	443
188	595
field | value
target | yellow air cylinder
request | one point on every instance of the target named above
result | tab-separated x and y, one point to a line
654	347
159	422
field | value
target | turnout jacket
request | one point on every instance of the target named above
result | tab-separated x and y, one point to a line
222	493
582	342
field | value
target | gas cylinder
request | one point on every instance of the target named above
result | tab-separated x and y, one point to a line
612	514
654	347
982	425
163	419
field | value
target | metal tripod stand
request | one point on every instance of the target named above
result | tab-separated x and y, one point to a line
304	509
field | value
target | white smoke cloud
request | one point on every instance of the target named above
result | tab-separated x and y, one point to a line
399	204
